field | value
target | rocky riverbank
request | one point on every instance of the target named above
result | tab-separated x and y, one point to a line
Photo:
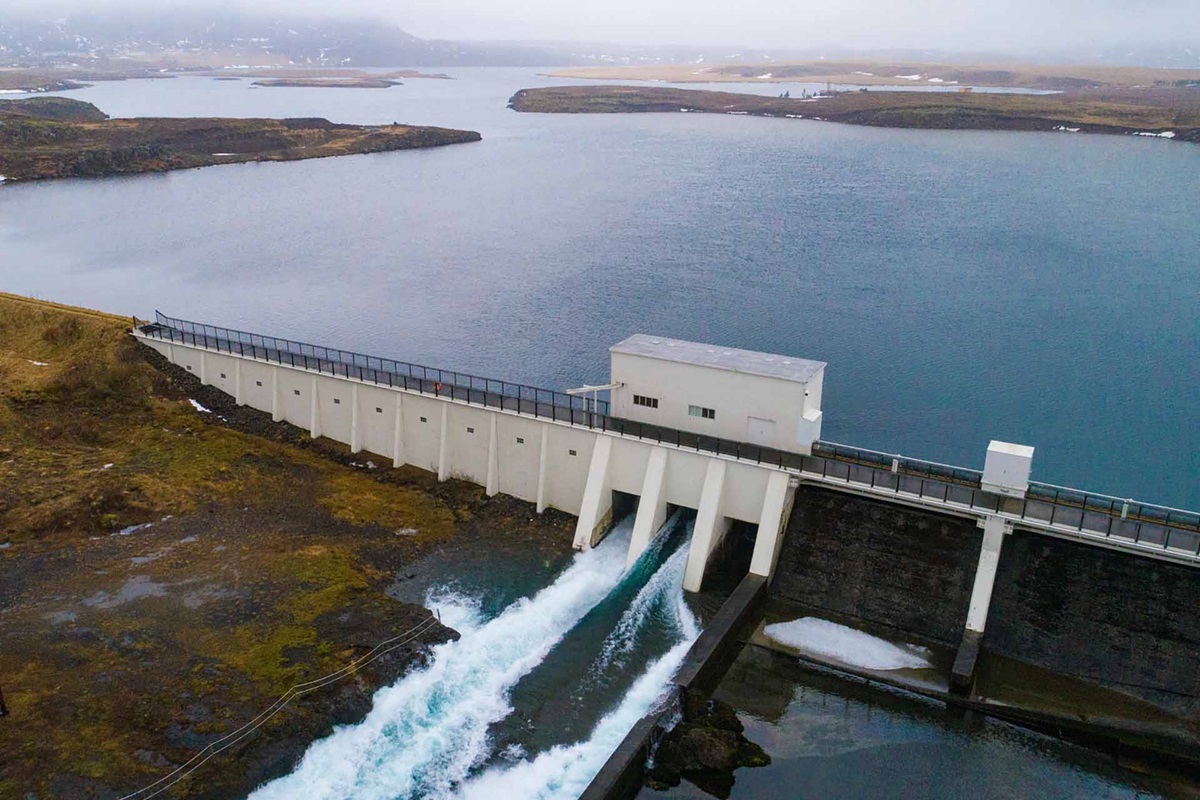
170	569
54	137
1167	113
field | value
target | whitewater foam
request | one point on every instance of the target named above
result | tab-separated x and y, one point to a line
564	772
427	732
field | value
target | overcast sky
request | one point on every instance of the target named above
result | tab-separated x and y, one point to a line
778	24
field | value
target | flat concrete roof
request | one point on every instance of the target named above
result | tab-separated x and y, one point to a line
768	365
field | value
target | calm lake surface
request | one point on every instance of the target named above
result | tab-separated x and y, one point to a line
963	286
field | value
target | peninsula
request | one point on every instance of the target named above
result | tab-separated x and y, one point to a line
55	137
1167	113
882	73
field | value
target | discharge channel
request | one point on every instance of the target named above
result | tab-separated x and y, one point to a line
529	703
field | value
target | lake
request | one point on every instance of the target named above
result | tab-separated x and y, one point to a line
963	286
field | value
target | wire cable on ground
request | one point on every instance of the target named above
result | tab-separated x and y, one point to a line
186	769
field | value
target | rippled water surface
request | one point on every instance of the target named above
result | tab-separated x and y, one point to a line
963	286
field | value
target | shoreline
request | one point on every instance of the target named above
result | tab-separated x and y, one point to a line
54	137
1065	113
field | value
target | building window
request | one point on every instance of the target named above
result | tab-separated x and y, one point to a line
296	392
189	369
705	413
222	374
470	430
378	410
572	452
520	440
337	402
424	419
642	400
258	383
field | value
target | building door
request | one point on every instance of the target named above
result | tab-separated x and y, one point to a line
760	431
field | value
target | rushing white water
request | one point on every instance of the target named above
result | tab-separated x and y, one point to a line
426	732
563	772
663	591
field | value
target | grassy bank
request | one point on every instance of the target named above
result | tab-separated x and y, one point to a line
266	561
62	138
1176	111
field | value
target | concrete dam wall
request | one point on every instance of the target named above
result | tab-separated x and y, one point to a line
1106	617
1126	623
880	562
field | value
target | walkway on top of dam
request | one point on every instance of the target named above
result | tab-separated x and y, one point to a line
1142	528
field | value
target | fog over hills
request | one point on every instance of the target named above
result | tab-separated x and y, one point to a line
360	37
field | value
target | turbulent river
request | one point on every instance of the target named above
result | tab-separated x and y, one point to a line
602	639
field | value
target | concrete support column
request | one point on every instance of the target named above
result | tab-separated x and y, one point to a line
398	433
963	673
541	489
276	401
595	513
237	381
355	422
493	468
203	367
777	507
171	353
443	468
652	507
314	411
711	525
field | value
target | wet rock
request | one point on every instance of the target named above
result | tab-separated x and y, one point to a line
705	748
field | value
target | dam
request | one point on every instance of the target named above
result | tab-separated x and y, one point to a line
980	560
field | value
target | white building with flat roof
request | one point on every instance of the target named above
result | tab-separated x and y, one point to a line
739	395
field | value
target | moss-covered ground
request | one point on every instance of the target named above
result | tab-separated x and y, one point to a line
124	649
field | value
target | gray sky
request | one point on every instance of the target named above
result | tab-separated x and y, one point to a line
947	24
992	25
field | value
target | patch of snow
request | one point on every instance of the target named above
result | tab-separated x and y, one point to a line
795	116
406	531
225	154
3	179
5	546
1163	135
1065	129
167	517
766	77
936	80
107	466
849	646
38	363
738	113
134	529
198	407
910	77
868	74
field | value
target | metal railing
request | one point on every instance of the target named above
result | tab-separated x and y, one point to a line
1065	510
487	392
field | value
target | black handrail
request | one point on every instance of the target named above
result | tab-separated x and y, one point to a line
902	475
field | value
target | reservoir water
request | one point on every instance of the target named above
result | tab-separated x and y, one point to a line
963	286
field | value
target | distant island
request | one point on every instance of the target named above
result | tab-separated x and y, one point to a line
1167	113
54	137
892	73
329	83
